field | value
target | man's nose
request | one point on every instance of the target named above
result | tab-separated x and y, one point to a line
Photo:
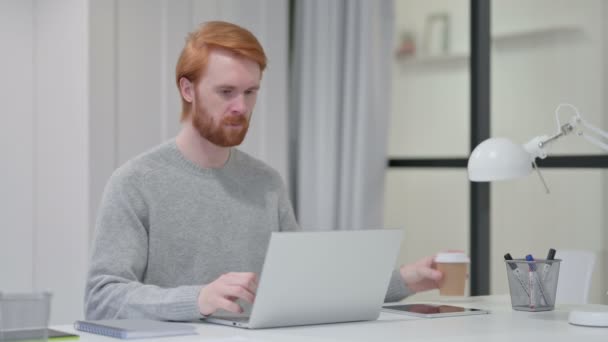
239	106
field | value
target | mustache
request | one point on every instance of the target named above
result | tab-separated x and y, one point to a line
235	120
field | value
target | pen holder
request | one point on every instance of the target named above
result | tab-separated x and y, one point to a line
532	284
24	317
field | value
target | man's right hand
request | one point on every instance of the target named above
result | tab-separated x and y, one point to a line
223	292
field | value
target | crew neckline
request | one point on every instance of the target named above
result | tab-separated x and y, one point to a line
191	166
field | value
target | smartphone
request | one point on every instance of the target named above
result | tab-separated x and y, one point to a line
432	310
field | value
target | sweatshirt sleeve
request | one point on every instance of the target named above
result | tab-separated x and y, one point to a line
287	219
396	288
114	288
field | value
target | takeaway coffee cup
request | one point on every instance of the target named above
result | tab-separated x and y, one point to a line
454	269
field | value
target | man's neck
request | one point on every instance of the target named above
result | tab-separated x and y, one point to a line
199	150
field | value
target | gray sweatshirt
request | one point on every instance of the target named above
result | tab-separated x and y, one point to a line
166	227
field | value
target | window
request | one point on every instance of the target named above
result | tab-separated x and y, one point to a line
507	66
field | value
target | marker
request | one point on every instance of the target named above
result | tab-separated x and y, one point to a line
531	268
534	278
551	254
517	273
547	266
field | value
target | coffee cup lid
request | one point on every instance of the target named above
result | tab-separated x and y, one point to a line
452	258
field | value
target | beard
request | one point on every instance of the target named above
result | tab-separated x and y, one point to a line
220	133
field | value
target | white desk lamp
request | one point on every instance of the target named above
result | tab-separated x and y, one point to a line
500	159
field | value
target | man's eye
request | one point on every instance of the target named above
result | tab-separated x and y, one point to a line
226	91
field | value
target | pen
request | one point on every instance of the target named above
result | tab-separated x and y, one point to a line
517	273
547	266
531	282
533	277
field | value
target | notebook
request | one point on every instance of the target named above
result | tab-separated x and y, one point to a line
134	328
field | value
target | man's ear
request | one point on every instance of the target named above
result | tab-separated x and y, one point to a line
186	88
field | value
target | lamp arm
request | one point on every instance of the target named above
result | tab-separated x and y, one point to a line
592	139
537	147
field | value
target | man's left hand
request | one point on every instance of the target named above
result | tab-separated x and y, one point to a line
421	275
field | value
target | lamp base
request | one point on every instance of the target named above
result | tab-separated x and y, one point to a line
589	318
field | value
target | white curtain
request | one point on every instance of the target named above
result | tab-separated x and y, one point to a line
341	99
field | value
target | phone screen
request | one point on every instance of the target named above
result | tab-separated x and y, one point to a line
429	308
433	310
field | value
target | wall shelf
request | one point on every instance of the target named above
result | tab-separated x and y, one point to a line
536	33
463	57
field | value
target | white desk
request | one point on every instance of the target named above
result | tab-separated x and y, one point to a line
502	324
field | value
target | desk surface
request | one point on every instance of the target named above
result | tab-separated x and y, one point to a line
502	324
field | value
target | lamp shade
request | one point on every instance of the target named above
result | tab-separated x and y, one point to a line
498	159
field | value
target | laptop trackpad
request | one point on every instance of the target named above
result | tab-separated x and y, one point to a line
231	316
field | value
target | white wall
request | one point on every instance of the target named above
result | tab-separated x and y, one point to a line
430	102
17	145
537	64
45	139
87	85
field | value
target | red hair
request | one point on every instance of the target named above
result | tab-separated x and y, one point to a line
193	60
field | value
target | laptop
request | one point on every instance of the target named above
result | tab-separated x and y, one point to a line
321	277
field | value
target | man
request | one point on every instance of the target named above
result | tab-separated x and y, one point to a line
183	229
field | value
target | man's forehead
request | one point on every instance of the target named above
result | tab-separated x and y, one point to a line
227	66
